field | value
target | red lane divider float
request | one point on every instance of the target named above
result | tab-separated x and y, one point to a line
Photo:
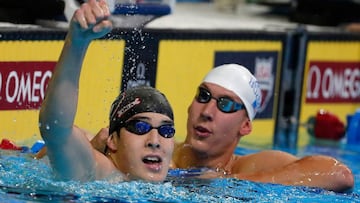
7	144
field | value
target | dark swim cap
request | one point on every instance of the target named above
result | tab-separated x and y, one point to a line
137	100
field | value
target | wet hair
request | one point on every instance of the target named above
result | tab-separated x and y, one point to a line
137	100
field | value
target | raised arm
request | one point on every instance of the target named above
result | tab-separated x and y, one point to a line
283	168
69	151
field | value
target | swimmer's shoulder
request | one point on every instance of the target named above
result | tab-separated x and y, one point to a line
177	154
105	168
261	161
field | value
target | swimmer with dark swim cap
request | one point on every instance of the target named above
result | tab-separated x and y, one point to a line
141	140
137	100
143	120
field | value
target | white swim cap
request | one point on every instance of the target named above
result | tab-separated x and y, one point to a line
238	79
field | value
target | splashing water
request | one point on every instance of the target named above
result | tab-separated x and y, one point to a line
24	179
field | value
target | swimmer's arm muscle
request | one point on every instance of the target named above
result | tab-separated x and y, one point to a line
314	171
66	144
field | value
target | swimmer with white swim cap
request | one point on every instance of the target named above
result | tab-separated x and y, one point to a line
221	113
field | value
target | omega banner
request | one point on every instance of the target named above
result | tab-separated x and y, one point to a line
27	66
23	84
331	81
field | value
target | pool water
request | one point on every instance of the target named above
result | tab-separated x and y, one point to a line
23	179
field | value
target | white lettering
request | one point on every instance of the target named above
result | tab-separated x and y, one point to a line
338	89
135	83
24	88
47	75
326	86
313	72
140	71
27	87
12	75
355	81
347	84
36	86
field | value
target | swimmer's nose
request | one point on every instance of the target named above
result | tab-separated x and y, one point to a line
208	110
153	139
153	145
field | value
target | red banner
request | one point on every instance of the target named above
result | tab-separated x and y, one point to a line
333	82
23	84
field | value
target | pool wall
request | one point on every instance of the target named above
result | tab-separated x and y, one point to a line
299	72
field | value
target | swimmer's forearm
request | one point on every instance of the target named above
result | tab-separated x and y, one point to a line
60	104
68	147
315	171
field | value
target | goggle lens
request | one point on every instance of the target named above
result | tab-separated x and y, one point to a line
141	128
224	104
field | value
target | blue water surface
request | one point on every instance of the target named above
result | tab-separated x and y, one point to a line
24	179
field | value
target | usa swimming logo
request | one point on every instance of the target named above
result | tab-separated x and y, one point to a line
265	77
256	89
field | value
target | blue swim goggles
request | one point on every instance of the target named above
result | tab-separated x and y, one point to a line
224	104
139	127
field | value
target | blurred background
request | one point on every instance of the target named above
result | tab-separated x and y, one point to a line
305	54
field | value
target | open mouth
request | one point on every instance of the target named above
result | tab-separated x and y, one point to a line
153	163
152	160
202	132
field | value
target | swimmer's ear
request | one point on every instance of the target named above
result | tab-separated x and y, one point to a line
246	127
111	143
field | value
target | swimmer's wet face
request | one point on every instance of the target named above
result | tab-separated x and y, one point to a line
211	131
142	129
145	156
213	126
